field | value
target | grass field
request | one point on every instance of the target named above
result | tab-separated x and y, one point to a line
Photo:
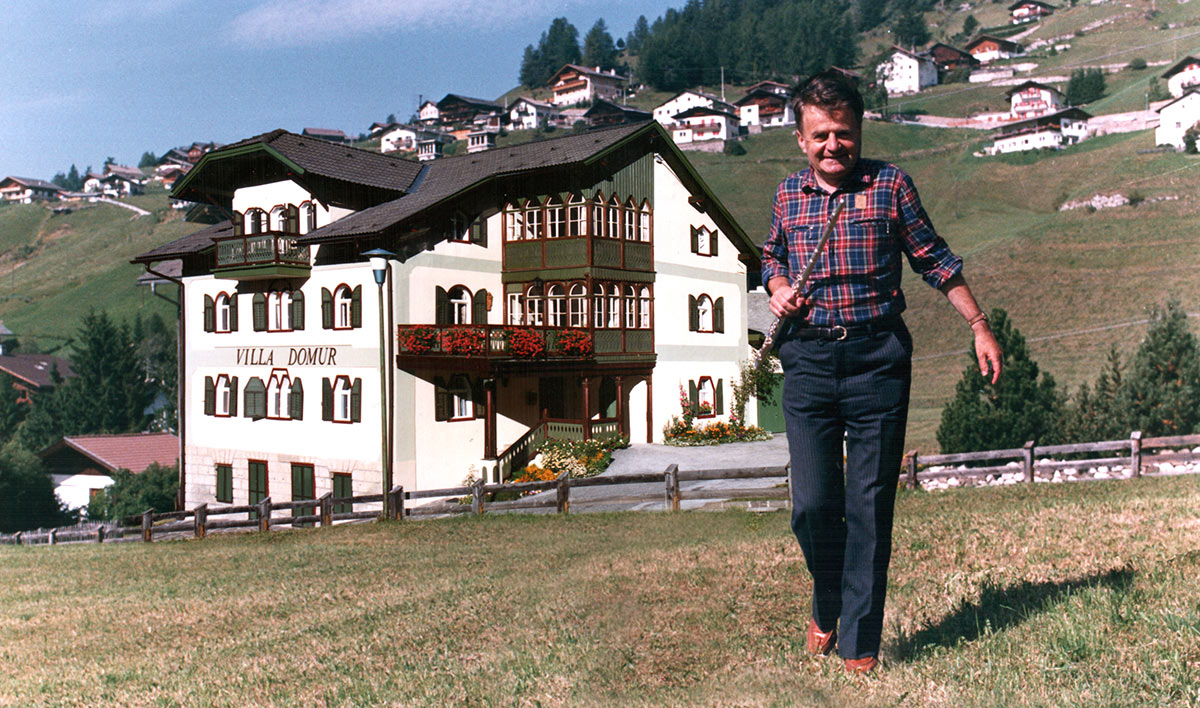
1055	595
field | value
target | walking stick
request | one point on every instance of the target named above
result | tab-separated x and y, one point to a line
798	285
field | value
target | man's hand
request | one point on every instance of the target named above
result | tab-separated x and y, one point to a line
988	351
785	301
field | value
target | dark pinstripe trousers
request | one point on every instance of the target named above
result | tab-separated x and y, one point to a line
842	512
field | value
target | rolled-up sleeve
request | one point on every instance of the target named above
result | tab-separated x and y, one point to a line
775	248
927	252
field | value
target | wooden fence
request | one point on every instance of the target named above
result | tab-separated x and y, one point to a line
481	497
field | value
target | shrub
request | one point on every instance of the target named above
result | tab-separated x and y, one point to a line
734	147
27	499
1137	64
131	494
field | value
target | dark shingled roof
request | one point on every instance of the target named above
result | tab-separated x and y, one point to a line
321	157
452	175
35	369
192	243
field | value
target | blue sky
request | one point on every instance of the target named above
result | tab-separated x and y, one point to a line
83	81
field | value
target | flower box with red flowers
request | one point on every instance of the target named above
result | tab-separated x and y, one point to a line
574	342
526	343
418	339
464	341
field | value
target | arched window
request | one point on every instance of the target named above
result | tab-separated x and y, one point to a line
224	397
577	216
513	223
460	305
631	317
279	219
533	219
343	408
577	305
704	314
556	221
598	318
707	398
516	309
343	300
534	306
630	224
256	221
226	313
644	308
644	223
614	218
279	388
598	216
308	217
614	306
279	311
556	306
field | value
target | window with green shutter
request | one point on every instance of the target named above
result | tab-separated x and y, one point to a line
343	488
210	314
296	401
719	315
297	310
225	484
259	310
326	308
256	482
356	307
356	401
210	396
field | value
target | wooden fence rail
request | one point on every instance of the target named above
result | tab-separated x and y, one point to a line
480	498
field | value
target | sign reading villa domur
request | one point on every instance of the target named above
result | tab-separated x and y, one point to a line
319	356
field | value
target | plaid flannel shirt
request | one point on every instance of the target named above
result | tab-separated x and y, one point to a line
857	279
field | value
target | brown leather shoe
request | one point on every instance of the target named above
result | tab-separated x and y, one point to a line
820	642
864	665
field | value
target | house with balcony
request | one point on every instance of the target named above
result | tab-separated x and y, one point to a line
572	85
26	190
1182	75
701	125
529	114
463	111
767	104
666	111
986	48
1031	99
1052	131
907	72
567	287
1029	10
605	113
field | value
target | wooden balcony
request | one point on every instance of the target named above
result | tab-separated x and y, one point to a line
273	254
521	344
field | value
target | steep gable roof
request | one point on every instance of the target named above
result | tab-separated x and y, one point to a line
455	177
1030	84
193	243
35	369
280	155
33	182
1179	66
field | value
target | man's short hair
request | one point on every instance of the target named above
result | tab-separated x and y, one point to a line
829	90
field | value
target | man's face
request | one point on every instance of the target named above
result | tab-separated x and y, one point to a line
832	141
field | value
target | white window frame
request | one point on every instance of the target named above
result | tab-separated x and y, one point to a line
460	306
516	309
704	314
342	410
598	217
644	223
343	298
534	306
631	308
556	222
706	392
279	311
613	214
576	216
279	388
614	306
221	307
599	319
556	305
577	305
644	308
222	396
514	228
533	220
461	405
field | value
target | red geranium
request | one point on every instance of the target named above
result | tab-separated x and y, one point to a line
417	339
526	343
463	340
574	342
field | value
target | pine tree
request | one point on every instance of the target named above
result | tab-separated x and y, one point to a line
1023	405
1160	392
598	49
641	30
1092	414
558	46
910	29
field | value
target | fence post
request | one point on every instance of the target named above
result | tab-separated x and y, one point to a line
396	503
200	516
147	524
100	535
18	537
52	537
1027	461
564	494
911	462
264	515
477	497
1135	453
326	504
671	480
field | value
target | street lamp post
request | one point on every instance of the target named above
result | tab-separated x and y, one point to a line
379	268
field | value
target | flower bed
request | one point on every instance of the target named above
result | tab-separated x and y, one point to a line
717	433
578	458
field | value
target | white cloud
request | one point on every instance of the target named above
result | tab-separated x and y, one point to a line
294	22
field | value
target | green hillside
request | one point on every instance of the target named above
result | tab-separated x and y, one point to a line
56	267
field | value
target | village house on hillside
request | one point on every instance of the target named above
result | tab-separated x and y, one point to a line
1050	131
463	111
767	104
529	114
26	190
1028	10
1176	118
1031	99
606	113
81	466
986	48
574	84
330	134
1182	75
568	287
703	128
947	59
907	72
666	111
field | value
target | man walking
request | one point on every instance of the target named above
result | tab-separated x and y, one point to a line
847	357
